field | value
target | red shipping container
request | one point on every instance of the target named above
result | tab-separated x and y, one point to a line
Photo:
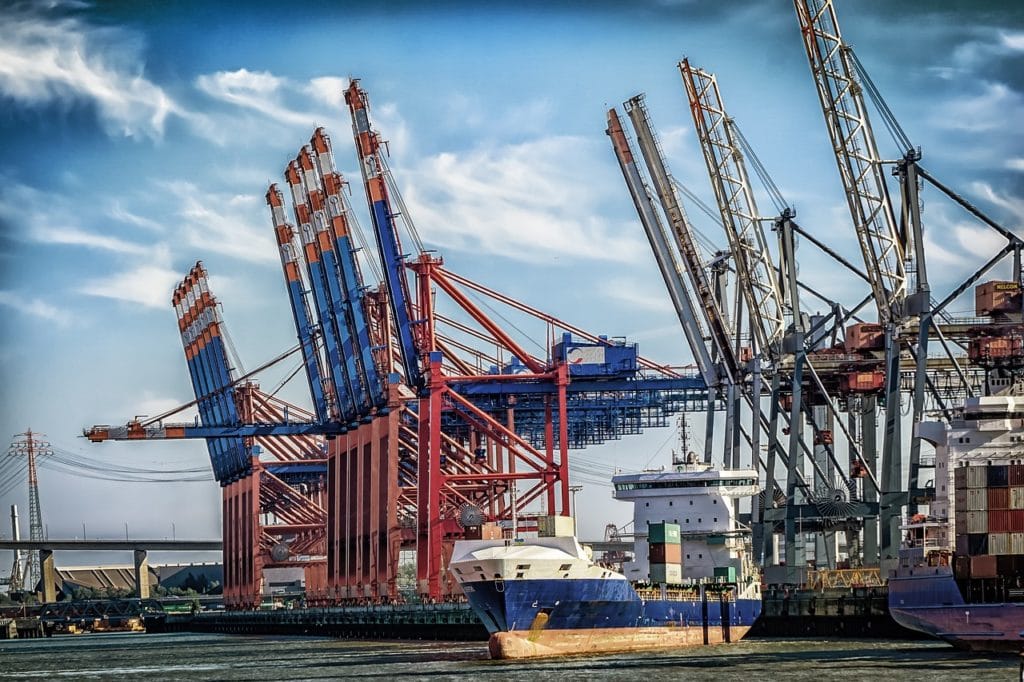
865	382
666	554
1016	521
999	521
984	566
1016	474
998	498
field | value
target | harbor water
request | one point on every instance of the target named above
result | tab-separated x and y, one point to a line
233	657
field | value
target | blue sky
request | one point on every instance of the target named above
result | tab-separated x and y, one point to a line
138	138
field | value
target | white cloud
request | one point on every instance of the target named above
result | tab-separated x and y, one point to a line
149	285
46	60
329	90
48	218
73	236
256	90
1016	164
630	292
234	225
118	212
990	107
1013	205
518	201
36	308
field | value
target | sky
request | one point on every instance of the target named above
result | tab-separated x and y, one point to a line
138	138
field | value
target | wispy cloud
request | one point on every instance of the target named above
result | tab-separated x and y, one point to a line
149	285
234	225
47	59
259	91
48	218
517	201
990	106
35	307
118	212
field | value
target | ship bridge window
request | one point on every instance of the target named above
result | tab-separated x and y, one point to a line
457	570
523	567
519	575
478	569
565	567
711	483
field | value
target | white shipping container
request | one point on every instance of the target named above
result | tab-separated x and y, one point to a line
998	543
977	477
556	526
1017	497
977	499
977	522
666	573
1016	543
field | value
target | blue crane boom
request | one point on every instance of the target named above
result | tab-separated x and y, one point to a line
392	259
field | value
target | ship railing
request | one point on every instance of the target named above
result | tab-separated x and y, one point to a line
844	577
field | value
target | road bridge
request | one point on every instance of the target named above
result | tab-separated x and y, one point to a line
141	548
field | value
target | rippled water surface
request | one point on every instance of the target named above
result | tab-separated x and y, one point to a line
232	657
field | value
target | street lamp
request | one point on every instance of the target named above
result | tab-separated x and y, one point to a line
574	489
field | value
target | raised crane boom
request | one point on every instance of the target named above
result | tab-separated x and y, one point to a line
860	167
683	233
374	171
660	245
755	272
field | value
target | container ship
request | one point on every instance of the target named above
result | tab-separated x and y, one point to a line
961	568
690	584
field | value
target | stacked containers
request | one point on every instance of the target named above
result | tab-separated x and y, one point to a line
989	505
665	552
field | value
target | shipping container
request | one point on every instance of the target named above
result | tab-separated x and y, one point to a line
1010	565
961	544
998	476
977	499
962	567
726	572
977	522
663	533
556	526
977	544
666	554
984	566
1016	521
1017	497
666	573
1016	543
960	478
977	477
999	521
1016	475
998	498
997	297
999	543
960	498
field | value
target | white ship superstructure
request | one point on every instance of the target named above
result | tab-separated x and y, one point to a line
700	500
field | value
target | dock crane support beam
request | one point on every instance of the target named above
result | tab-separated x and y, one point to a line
669	267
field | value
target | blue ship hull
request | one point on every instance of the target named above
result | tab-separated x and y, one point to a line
586	604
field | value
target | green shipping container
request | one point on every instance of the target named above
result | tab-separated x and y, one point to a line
663	534
726	572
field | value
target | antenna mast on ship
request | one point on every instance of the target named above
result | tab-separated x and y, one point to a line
683	456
